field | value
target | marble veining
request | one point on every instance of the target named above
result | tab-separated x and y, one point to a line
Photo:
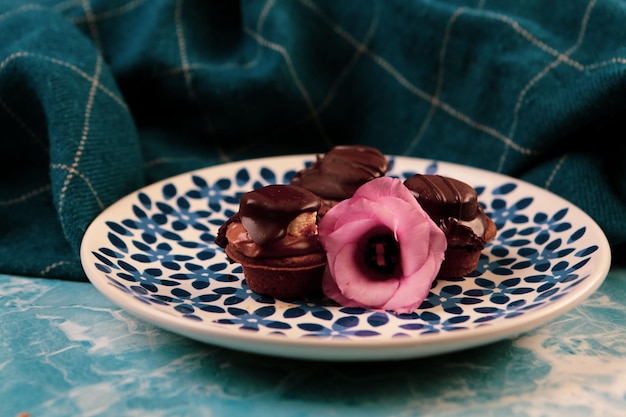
67	351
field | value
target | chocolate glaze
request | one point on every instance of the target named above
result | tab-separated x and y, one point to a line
453	206
266	212
337	174
443	197
259	229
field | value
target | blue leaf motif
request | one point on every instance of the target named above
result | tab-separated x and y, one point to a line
432	168
587	251
323	314
242	177
288	176
268	175
199	181
104	260
144	200
346	322
119	229
523	203
169	191
378	319
294	312
117	242
366	333
430	317
577	235
237	311
311	327
223	184
560	214
103	268
278	325
265	311
352	310
504	189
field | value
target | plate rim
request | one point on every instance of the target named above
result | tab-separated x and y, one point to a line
346	349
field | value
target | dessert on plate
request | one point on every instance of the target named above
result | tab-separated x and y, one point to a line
336	175
274	237
381	241
453	206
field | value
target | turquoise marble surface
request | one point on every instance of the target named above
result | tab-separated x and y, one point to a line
65	350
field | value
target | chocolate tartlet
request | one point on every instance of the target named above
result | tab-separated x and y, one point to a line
335	176
453	206
274	238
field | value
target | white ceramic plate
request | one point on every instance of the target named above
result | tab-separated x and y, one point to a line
152	253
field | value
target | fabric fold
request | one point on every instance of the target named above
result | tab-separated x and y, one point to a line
99	98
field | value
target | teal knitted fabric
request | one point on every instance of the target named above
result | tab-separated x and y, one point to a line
99	98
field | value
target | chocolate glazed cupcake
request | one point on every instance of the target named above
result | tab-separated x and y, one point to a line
336	175
274	238
453	206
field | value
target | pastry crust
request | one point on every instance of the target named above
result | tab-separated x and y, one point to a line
282	278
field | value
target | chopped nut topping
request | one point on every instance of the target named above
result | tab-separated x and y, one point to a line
303	225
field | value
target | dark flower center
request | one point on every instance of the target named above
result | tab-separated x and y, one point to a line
382	253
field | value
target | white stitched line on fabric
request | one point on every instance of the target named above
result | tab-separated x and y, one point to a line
24	126
208	67
85	134
602	64
182	47
26	196
294	75
93	28
21	9
263	15
530	38
547	69
608	62
118	11
556	169
185	69
413	89
73	67
371	30
314	111
67	5
486	129
345	71
54	265
158	161
331	92
518	106
358	45
250	64
74	172
552	65
439	83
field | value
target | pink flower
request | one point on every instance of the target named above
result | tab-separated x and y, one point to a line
383	250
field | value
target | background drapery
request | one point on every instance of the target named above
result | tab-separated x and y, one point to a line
98	98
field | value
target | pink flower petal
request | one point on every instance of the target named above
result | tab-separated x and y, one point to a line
384	187
416	241
383	206
357	284
414	289
353	210
330	288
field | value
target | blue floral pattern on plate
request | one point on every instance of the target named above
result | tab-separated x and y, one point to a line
155	249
